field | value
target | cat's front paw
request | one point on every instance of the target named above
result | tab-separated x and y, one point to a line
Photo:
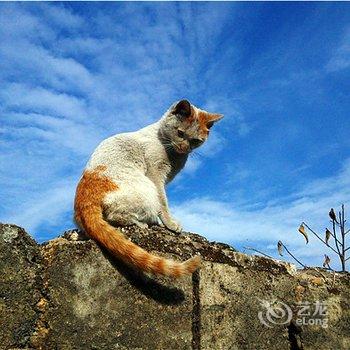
173	225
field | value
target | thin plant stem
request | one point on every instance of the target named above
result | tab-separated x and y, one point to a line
342	232
298	261
319	237
258	251
336	239
340	243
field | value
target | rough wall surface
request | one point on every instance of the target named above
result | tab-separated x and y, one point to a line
69	294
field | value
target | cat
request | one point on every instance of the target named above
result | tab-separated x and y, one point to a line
123	184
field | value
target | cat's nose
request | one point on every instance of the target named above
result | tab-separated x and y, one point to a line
183	148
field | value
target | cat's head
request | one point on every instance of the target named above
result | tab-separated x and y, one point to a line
186	127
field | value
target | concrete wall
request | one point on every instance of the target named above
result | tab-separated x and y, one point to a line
68	294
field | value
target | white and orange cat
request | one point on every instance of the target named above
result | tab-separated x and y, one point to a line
123	184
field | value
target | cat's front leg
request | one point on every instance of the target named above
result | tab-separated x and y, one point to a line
164	214
170	222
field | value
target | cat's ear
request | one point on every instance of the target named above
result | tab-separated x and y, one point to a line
213	118
183	109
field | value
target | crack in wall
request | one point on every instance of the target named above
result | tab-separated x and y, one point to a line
294	337
196	312
39	337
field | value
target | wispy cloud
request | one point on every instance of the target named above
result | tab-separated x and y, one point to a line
45	208
341	58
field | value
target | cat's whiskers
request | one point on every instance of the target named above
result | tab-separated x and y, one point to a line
197	154
170	144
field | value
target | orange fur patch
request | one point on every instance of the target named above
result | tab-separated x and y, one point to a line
203	118
160	266
177	270
90	191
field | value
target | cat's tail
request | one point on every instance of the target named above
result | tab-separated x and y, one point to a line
88	214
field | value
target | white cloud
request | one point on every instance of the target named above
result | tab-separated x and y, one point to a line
77	136
38	99
341	57
45	207
18	23
60	16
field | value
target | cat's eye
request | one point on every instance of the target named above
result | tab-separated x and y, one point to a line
180	133
195	142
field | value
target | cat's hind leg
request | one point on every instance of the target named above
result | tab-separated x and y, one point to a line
137	205
123	219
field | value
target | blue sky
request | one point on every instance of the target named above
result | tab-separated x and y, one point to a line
72	74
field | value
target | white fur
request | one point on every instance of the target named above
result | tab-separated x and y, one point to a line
133	160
